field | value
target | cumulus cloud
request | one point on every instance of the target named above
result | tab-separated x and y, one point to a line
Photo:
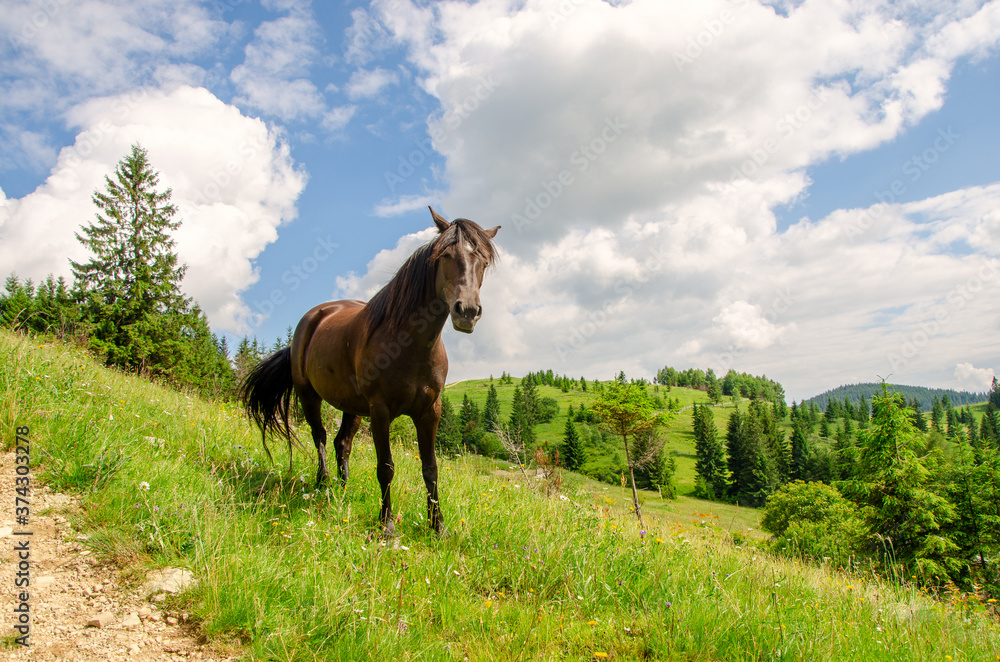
233	180
57	54
635	153
274	75
368	83
973	378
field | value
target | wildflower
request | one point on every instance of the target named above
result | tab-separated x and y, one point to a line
143	486
642	533
488	604
591	622
601	656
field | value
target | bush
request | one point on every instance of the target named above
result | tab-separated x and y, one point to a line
813	520
547	410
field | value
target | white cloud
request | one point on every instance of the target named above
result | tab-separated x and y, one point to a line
973	378
366	38
96	47
274	75
382	267
365	84
404	204
56	54
635	152
233	182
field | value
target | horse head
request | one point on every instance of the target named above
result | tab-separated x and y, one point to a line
463	251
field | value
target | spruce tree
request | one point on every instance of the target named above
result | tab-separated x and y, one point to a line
519	425
572	451
449	434
800	452
750	463
491	412
891	483
130	287
710	465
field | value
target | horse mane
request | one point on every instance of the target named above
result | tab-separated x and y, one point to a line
412	288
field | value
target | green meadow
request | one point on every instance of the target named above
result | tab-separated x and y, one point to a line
286	572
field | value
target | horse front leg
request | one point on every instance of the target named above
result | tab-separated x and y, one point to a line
384	468
427	426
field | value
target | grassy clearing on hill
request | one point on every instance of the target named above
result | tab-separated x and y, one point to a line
296	574
678	433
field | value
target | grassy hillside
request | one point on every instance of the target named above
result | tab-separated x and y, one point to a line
678	433
296	574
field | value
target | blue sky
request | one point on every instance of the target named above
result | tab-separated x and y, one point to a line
722	165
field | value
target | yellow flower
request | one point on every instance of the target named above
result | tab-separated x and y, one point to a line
591	622
602	656
488	604
659	540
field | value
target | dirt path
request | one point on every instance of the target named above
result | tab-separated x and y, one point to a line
69	589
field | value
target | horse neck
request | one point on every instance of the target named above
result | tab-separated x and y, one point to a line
426	324
416	328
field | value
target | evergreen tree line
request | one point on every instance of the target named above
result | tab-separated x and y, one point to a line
924	395
912	503
471	428
125	303
734	384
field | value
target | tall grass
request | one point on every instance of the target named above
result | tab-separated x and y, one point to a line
292	573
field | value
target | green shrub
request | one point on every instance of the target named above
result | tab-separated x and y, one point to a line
813	520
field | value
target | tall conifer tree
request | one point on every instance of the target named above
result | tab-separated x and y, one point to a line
131	285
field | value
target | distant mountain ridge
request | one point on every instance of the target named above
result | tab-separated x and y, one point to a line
925	396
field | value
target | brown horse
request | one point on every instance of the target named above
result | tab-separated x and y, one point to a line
382	359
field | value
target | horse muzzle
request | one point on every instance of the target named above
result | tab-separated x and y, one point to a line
464	318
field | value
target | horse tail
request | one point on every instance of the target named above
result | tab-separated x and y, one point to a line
266	394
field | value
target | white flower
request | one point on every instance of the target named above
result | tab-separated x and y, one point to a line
143	486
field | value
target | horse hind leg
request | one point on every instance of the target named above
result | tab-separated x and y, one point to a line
312	410
343	442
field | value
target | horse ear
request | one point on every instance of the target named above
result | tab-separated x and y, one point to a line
439	220
492	232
